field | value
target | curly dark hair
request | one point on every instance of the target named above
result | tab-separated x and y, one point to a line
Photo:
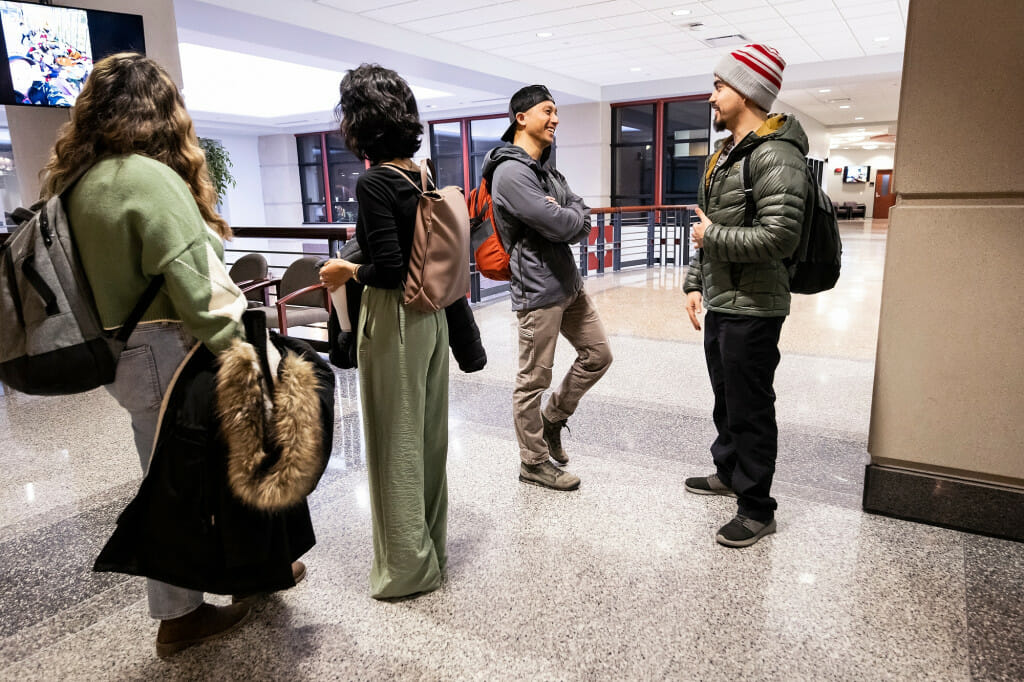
378	114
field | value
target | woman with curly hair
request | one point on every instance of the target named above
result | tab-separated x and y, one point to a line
142	206
403	353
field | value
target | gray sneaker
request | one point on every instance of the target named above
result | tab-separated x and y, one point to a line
547	475
708	485
743	531
553	437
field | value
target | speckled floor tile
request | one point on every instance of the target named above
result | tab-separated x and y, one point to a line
621	579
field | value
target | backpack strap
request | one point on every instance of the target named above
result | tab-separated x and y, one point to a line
749	207
148	296
426	175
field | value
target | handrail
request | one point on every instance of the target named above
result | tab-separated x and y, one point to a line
343	233
633	209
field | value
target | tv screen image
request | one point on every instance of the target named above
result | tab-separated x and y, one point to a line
857	174
49	51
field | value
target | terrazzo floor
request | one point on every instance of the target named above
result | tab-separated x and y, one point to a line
621	580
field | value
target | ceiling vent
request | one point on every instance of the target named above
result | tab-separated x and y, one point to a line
838	100
694	26
727	41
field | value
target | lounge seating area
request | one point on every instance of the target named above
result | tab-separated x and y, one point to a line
849	210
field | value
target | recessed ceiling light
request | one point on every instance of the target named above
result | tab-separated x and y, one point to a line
858	118
636	68
544	34
870	146
825	90
881	39
844	106
680	12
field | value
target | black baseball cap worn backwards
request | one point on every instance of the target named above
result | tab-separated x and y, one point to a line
524	100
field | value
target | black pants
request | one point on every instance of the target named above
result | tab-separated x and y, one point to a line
742	353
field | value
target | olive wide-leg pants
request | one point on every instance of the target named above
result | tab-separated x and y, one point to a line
403	380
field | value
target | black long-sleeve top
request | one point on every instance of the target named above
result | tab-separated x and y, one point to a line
385	224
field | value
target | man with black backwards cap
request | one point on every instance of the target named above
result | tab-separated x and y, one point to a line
537	217
743	281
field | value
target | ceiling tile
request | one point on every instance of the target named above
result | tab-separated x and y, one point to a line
792	8
357	6
420	9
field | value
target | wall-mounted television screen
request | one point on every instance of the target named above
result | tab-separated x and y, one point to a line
856	173
48	51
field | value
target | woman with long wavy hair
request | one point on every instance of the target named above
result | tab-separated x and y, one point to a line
142	206
403	354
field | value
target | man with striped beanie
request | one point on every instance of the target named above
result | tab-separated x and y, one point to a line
741	277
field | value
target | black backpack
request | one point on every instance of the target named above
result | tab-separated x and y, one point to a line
814	266
51	338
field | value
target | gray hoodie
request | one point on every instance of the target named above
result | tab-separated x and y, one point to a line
543	268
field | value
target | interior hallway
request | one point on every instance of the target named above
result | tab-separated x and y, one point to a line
619	580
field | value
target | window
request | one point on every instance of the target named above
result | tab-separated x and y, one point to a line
658	150
328	181
458	147
633	155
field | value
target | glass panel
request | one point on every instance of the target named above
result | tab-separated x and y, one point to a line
634	170
312	180
633	123
686	145
309	148
446	151
344	170
446	139
485	134
885	185
315	213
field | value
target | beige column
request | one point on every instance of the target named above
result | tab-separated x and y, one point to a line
948	402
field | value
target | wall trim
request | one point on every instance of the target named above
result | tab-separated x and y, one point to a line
944	501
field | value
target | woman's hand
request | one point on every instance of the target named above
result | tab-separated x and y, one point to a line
336	271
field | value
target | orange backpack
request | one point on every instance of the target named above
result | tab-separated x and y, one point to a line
490	254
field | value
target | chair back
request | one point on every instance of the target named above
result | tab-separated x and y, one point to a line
300	274
252	267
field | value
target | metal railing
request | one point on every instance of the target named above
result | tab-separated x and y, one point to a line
621	237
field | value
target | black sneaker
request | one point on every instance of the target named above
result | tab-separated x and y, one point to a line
553	437
708	485
743	531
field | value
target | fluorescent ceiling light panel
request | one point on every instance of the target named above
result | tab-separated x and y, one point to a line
224	82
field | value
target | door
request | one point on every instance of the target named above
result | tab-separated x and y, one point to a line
884	196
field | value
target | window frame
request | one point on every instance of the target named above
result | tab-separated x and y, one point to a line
658	142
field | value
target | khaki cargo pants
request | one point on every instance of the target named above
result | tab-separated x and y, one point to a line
577	320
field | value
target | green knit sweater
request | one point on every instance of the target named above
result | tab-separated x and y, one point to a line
134	218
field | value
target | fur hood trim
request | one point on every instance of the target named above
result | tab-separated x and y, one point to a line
274	448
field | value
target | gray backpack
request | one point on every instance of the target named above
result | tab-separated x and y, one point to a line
51	338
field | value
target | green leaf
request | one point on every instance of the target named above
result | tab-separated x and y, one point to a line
218	162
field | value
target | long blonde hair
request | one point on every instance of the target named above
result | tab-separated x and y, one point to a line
129	105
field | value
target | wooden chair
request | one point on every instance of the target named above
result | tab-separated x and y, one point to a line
302	300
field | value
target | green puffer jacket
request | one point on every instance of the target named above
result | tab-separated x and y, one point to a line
740	270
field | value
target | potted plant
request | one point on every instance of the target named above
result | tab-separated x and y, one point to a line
218	162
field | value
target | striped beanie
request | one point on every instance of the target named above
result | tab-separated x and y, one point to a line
754	71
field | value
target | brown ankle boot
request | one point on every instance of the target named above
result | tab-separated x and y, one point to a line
205	623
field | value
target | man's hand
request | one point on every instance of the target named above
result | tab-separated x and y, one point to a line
693	307
697	231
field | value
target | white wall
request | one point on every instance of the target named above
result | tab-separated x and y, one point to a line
862	193
243	204
584	150
278	159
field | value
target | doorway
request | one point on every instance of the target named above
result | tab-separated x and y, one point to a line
884	196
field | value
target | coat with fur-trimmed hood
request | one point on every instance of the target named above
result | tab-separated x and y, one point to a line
223	506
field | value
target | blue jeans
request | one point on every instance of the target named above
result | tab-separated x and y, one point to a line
144	371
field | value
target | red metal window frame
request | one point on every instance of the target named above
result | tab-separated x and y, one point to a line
326	171
659	134
464	122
